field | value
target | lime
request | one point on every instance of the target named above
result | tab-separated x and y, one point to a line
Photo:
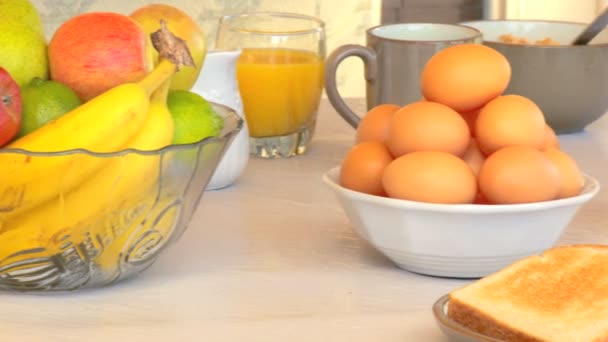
194	118
43	101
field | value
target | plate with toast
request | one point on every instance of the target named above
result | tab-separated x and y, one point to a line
454	330
560	295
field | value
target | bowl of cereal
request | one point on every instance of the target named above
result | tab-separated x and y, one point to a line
569	83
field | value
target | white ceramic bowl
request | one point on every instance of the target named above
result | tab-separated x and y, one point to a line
463	241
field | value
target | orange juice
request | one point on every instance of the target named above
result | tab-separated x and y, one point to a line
281	89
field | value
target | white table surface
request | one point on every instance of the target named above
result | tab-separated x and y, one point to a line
273	258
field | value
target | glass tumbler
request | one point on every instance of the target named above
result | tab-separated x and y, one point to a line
280	76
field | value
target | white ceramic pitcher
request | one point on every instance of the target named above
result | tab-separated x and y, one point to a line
217	83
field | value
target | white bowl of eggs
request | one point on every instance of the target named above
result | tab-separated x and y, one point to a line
449	192
456	240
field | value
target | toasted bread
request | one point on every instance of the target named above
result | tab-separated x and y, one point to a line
561	295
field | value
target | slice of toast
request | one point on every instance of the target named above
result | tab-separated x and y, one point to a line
561	295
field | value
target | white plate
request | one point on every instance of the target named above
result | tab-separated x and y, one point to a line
452	329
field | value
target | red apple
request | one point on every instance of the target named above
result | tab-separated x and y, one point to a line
93	52
10	107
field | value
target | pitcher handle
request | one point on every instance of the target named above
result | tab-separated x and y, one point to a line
368	56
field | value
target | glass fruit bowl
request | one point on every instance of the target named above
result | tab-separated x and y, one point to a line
130	206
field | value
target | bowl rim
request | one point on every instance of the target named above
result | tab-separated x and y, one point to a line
590	188
440	312
372	32
532	21
229	113
547	21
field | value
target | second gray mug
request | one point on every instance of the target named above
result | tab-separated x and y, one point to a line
394	58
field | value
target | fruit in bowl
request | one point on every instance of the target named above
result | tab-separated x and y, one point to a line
185	27
24	51
90	62
10	107
459	194
96	194
112	225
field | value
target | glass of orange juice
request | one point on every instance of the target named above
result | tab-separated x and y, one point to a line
280	76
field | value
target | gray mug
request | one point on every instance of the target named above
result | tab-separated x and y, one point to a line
394	58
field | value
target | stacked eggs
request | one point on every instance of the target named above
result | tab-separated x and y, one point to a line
464	142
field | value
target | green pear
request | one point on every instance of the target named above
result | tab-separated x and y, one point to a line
23	53
22	11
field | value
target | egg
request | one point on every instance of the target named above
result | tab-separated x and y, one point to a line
571	178
551	139
374	124
465	76
470	118
480	199
473	157
510	120
427	126
519	174
430	176
362	167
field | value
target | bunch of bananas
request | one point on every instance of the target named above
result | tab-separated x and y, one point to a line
46	198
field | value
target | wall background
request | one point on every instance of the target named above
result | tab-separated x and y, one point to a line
568	10
346	21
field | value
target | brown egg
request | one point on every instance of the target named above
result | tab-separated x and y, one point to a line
519	174
363	166
473	157
572	180
480	198
465	76
551	139
430	176
471	118
427	126
374	124
510	120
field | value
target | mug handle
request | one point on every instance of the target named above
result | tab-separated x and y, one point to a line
368	56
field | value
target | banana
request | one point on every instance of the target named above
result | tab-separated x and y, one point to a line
93	207
41	261
28	178
106	207
149	231
103	124
123	177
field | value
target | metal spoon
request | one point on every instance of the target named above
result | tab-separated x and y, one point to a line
596	26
